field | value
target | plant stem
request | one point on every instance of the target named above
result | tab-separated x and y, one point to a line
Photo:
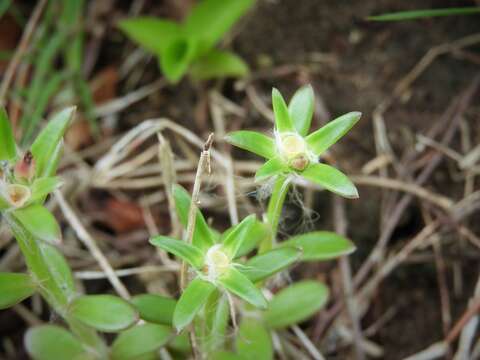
274	210
55	294
203	164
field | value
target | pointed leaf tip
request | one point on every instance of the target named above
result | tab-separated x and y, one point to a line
283	122
301	109
320	140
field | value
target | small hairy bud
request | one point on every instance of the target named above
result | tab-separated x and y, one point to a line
216	262
25	167
299	163
17	195
294	150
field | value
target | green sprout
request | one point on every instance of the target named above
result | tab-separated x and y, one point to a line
190	46
292	151
214	260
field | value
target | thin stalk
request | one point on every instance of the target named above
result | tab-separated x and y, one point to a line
274	210
203	164
56	295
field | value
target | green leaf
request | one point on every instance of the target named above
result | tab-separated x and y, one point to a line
151	33
331	179
14	288
254	340
226	355
177	58
326	136
235	238
45	148
140	340
40	222
238	284
50	342
191	301
271	168
321	245
425	13
296	303
155	308
203	237
217	315
218	64
186	252
181	344
8	149
257	233
283	122
106	313
211	19
44	186
59	268
253	141
266	264
301	109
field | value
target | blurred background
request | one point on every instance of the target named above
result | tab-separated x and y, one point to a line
415	154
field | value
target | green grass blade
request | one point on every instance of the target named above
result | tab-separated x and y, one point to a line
425	13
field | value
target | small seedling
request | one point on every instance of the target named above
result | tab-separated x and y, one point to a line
26	180
222	265
190	46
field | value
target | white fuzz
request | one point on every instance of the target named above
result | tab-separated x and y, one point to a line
17	195
217	263
294	150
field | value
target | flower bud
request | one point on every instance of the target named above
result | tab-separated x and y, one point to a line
294	150
216	262
25	167
17	195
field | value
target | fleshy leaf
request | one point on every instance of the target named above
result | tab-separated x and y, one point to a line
8	149
59	268
203	237
40	222
321	139
44	186
45	148
226	355
301	109
253	141
254	340
155	308
186	252
218	64
106	313
191	301
50	342
271	168
257	233
209	20
140	340
331	179
283	122
265	265
217	315
177	58
321	245
151	33
235	238
296	303
238	284
14	288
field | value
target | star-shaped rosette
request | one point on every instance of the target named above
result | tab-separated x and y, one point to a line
215	260
293	150
26	179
